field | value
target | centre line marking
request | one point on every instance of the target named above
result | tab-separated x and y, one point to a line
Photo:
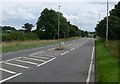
51	49
46	62
21	66
33	59
27	62
7	71
40	57
65	53
10	77
72	49
37	53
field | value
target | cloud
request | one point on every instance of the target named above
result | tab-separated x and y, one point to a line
18	13
70	17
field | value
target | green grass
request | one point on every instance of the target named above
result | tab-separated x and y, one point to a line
106	63
21	45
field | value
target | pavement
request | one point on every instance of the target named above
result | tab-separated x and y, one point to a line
75	63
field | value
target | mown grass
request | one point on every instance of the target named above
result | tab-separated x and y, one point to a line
21	45
106	62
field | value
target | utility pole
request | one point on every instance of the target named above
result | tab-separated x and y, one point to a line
99	17
74	24
107	23
58	20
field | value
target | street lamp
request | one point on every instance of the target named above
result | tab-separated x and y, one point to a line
58	20
107	23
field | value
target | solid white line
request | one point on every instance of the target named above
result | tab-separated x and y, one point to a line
27	62
65	53
72	49
46	62
41	57
37	53
10	77
33	59
90	67
21	66
7	71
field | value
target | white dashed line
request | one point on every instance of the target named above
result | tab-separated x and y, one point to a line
65	53
21	66
46	62
10	77
7	71
33	59
72	49
27	62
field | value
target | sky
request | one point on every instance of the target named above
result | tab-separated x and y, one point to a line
82	13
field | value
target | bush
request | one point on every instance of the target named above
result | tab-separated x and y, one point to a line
19	36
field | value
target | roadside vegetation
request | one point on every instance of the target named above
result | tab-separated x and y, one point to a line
107	57
21	45
106	61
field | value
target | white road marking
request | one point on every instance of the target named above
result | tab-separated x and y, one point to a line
65	53
10	77
49	55
7	71
90	67
51	49
37	53
72	49
46	62
41	57
77	46
21	66
10	59
33	59
27	62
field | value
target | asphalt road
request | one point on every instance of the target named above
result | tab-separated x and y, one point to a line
75	63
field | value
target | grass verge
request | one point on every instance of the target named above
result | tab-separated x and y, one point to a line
21	45
106	63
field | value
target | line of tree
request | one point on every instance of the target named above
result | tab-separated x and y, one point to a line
47	26
113	24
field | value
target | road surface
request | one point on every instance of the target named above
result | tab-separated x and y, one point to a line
75	63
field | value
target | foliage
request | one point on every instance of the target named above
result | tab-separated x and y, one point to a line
47	26
27	27
114	28
116	10
18	36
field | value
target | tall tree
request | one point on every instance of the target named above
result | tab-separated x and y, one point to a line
116	10
114	28
28	27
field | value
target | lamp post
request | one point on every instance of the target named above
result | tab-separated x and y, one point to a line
107	23
58	20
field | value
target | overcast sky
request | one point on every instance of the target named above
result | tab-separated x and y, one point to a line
83	13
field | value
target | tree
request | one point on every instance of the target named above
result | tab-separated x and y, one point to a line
116	10
114	28
27	27
47	26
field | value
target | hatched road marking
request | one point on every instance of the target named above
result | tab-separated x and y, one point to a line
27	62
7	71
21	66
34	59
